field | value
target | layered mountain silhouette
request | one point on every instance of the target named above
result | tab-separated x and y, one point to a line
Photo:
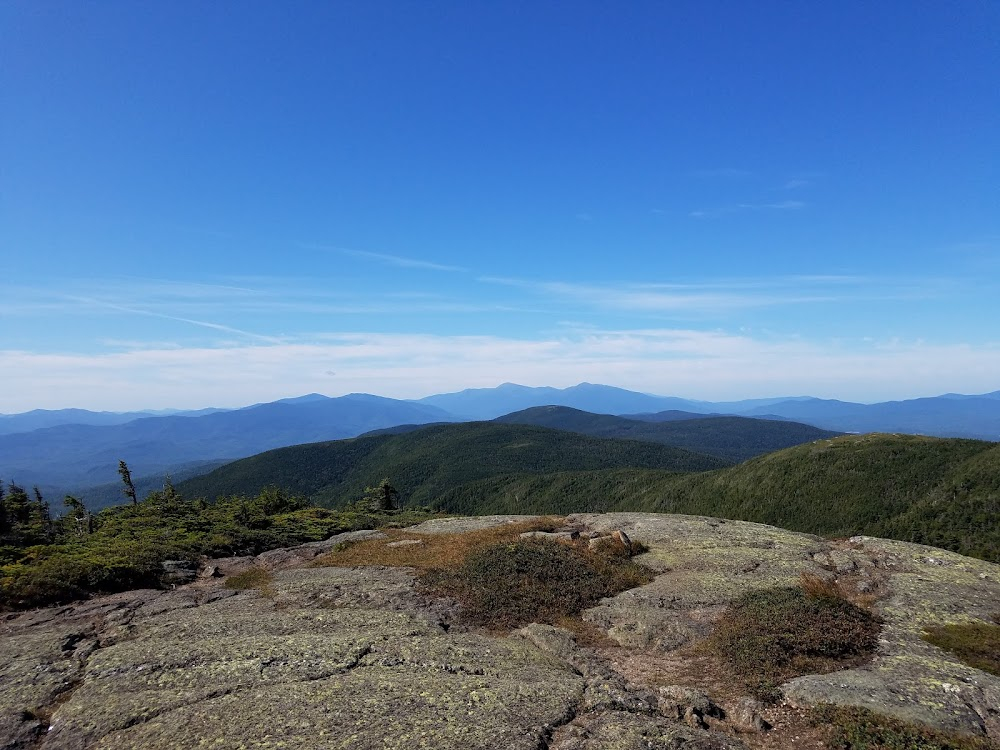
730	438
72	449
81	454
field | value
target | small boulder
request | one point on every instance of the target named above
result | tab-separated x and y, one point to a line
619	538
745	716
687	704
694	718
622	538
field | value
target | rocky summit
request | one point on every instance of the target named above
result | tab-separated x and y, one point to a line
337	657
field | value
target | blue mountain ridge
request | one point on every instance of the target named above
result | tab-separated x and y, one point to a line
79	455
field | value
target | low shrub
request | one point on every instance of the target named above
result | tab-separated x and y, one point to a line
124	547
772	635
510	584
975	643
852	728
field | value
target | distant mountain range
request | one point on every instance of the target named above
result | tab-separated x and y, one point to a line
71	449
39	418
80	455
490	403
950	415
942	416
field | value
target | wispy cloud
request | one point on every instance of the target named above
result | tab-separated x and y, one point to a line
709	297
779	206
741	207
216	306
386	259
164	316
796	184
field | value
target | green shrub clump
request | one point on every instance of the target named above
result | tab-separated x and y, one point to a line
511	584
853	728
124	547
772	635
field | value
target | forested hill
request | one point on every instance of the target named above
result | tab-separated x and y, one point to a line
938	491
732	438
424	463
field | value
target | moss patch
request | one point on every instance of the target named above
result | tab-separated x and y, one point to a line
252	578
852	728
772	635
975	643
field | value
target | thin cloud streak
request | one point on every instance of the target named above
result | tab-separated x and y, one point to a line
721	296
193	303
745	207
179	319
779	206
386	259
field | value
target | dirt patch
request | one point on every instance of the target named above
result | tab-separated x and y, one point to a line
691	667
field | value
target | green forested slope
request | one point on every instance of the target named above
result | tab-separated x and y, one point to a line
731	438
944	492
425	463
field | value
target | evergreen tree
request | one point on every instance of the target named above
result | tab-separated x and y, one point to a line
4	522
129	489
383	498
78	521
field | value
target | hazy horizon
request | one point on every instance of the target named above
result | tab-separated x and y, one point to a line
222	204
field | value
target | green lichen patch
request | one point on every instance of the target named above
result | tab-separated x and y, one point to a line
244	672
388	709
975	643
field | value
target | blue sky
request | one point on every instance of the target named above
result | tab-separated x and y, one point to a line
221	203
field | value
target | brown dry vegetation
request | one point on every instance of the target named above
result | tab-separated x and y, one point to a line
434	551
